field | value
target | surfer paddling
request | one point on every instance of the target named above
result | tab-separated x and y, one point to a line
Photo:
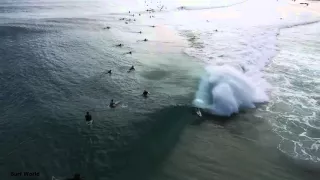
145	93
131	69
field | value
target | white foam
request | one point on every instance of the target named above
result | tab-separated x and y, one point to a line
224	90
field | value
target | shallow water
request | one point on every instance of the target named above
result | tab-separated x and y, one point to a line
54	55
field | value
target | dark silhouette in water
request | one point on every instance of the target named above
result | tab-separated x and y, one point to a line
153	26
131	69
145	40
120	45
130	52
109	72
112	104
88	117
305	4
145	93
107	27
75	177
140	32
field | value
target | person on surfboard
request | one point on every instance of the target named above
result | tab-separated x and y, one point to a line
112	104
88	117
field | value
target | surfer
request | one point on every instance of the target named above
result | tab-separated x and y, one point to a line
145	93
153	26
132	69
305	4
120	45
140	32
107	27
88	117
145	40
198	111
109	72
75	177
112	104
130	52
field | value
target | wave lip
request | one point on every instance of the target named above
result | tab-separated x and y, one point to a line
224	90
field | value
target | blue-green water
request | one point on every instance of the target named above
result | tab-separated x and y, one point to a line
53	59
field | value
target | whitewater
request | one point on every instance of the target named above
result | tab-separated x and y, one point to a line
237	46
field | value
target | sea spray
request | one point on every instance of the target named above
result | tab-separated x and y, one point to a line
224	90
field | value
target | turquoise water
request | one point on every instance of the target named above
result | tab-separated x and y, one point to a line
53	59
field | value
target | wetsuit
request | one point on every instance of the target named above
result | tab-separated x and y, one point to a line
112	105
88	117
145	93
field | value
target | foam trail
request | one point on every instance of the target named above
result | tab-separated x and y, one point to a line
224	90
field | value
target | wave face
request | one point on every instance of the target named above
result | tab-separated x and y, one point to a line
224	90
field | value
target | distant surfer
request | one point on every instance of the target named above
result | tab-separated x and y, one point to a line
153	26
120	45
145	93
112	104
243	69
88	117
140	32
75	177
131	69
130	52
145	40
107	27
109	72
198	111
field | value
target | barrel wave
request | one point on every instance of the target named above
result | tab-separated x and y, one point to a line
225	90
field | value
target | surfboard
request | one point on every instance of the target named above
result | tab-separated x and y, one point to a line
116	104
199	113
89	122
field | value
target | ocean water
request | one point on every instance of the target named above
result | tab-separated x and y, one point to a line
54	56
